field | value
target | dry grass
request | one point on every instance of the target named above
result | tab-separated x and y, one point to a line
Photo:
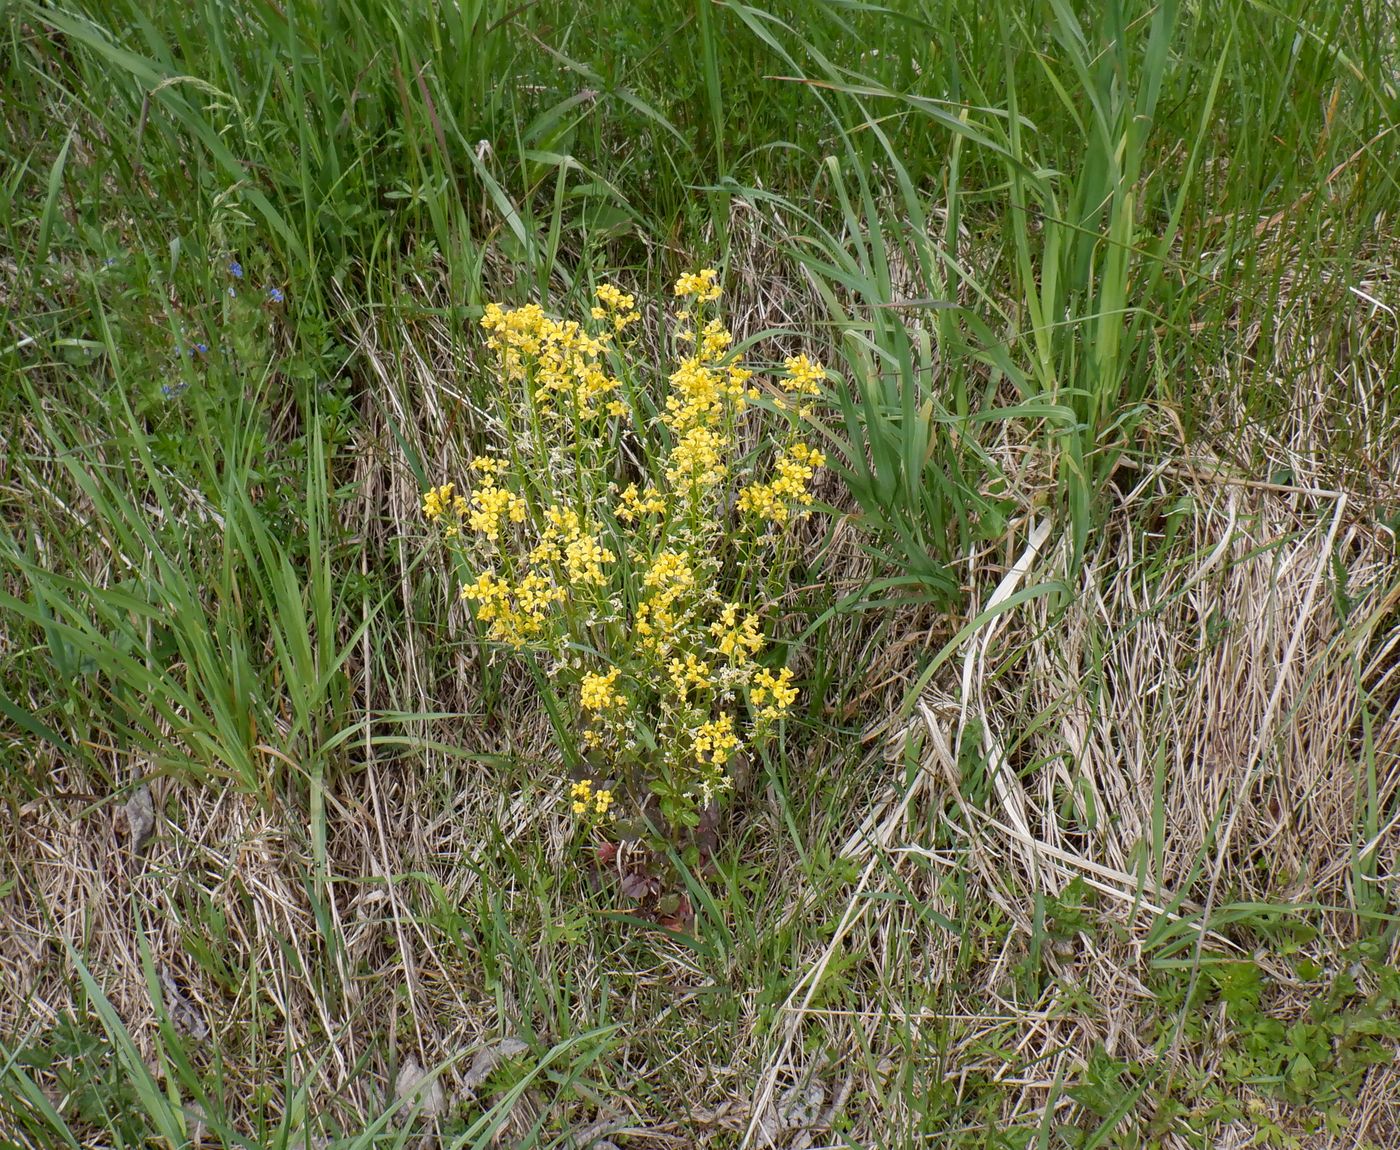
1093	720
1180	730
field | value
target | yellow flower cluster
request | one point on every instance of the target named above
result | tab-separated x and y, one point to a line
692	672
707	394
587	801
697	461
703	285
804	375
794	469
738	638
698	394
774	693
557	359
664	610
715	741
491	507
440	501
714	339
633	504
661	649
615	306
564	541
597	693
584	558
515	615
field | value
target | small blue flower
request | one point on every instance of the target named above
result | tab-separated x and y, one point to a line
110	262
172	390
235	269
275	294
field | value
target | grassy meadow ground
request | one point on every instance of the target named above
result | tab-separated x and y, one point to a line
1086	829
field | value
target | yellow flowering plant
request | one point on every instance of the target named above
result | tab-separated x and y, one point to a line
633	546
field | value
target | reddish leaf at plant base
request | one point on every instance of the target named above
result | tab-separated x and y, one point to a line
639	885
680	916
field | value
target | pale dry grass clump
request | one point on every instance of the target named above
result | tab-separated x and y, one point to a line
1181	731
211	857
1225	667
1208	717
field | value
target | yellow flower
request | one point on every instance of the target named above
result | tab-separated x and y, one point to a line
661	615
491	507
778	688
696	398
535	594
700	284
486	465
804	375
697	460
737	638
546	551
714	340
437	500
583	560
489	592
616	305
670	569
760	500
715	741
612	297
632	504
795	469
544	523
584	800
515	616
563	520
693	672
596	692
557	359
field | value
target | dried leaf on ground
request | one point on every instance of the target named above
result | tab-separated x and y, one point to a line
419	1090
185	1014
488	1057
798	1113
136	820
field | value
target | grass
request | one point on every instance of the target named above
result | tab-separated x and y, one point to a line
1086	835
